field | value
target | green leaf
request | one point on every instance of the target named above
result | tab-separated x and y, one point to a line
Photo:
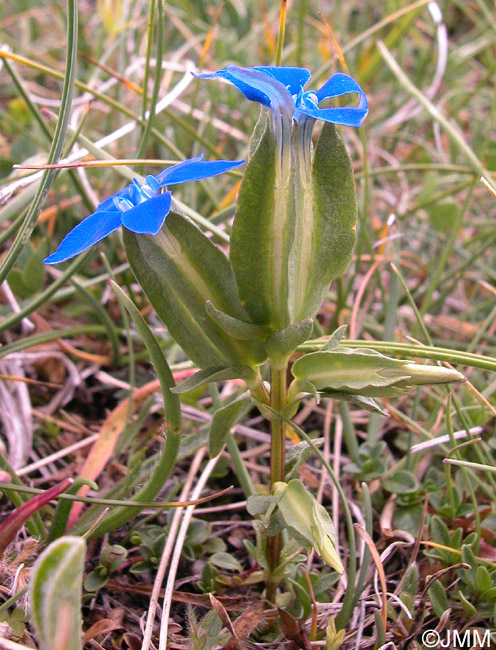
439	531
226	561
295	457
367	403
56	594
16	620
179	270
282	343
33	273
94	581
236	328
211	375
410	586
403	482
483	579
223	420
29	277
366	372
307	520
469	609
208	584
63	509
335	338
439	600
258	504
325	219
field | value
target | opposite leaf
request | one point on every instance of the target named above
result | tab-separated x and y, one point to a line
284	342
211	375
56	587
308	520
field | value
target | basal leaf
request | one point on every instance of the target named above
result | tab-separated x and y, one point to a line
56	594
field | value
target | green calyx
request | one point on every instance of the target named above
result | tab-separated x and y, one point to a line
294	231
189	282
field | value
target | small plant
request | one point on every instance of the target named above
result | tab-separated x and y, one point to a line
280	310
293	233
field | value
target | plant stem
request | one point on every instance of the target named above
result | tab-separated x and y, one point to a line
277	463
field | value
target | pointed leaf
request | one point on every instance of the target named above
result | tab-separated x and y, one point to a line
258	504
226	561
367	403
172	405
353	370
284	342
211	375
335	338
236	328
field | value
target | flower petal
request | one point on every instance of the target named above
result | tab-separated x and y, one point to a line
341	84
349	116
258	87
148	217
293	78
90	231
194	170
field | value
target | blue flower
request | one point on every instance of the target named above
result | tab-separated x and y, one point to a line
281	90
141	208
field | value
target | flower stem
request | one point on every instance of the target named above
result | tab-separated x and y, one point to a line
277	463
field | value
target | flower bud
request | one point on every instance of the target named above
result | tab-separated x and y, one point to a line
421	374
364	372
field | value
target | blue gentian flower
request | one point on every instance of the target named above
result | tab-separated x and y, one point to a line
281	90
141	208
